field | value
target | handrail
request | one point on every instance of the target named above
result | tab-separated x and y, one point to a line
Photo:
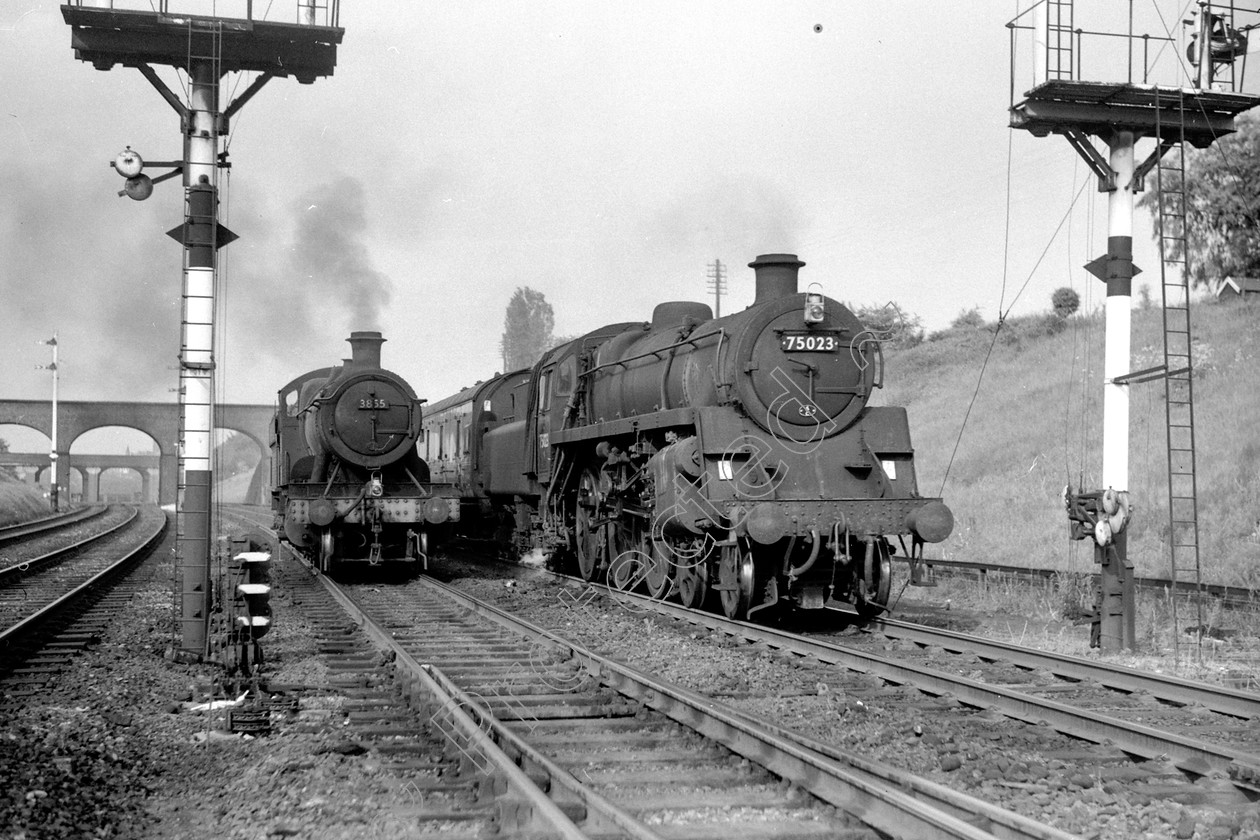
720	333
331	10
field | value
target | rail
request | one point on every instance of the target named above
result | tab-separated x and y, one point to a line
1191	755
18	531
13	636
18	570
888	800
1231	595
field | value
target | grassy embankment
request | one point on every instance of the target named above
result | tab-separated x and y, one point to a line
20	502
1037	425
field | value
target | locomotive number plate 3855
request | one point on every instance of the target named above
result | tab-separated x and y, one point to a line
809	342
373	403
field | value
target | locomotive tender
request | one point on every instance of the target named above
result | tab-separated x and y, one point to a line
349	486
735	455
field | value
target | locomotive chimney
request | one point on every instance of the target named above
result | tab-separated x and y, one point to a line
365	350
776	275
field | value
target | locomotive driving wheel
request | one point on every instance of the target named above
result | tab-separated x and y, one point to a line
693	584
736	581
327	549
875	584
591	535
657	577
687	562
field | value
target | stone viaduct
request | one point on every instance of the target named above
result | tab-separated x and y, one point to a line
159	421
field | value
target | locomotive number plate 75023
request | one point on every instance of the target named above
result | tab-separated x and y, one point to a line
795	342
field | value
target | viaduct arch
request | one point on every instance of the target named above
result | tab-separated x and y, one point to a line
158	420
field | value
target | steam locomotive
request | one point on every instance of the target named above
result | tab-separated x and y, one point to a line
735	457
350	489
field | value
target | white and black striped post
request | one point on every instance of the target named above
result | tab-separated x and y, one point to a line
196	356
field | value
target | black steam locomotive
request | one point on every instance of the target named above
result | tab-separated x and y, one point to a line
349	486
735	455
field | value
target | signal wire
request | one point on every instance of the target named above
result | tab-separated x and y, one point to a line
1003	313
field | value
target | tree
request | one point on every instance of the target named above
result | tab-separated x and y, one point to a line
1222	202
1065	301
891	324
526	329
971	319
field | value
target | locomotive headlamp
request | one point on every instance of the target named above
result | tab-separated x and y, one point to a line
375	489
814	310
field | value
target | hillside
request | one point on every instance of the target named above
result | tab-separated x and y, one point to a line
20	502
1036	425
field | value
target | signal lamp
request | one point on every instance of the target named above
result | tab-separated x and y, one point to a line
128	163
138	188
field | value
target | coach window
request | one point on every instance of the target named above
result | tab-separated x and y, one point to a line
459	437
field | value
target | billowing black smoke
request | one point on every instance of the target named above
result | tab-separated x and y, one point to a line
331	261
304	278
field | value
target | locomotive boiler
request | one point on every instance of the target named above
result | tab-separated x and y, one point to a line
735	458
350	487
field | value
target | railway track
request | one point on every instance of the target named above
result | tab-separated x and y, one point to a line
1236	597
435	759
57	602
1208	733
26	530
623	754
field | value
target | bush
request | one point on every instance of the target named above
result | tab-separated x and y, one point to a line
891	324
968	319
1065	301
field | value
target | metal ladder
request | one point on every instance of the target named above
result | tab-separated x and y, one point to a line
1183	507
215	572
1060	19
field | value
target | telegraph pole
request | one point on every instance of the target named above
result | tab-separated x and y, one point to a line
717	283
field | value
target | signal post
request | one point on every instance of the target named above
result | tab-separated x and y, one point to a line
206	48
1121	113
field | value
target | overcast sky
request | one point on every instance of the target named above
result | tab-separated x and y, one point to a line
603	153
